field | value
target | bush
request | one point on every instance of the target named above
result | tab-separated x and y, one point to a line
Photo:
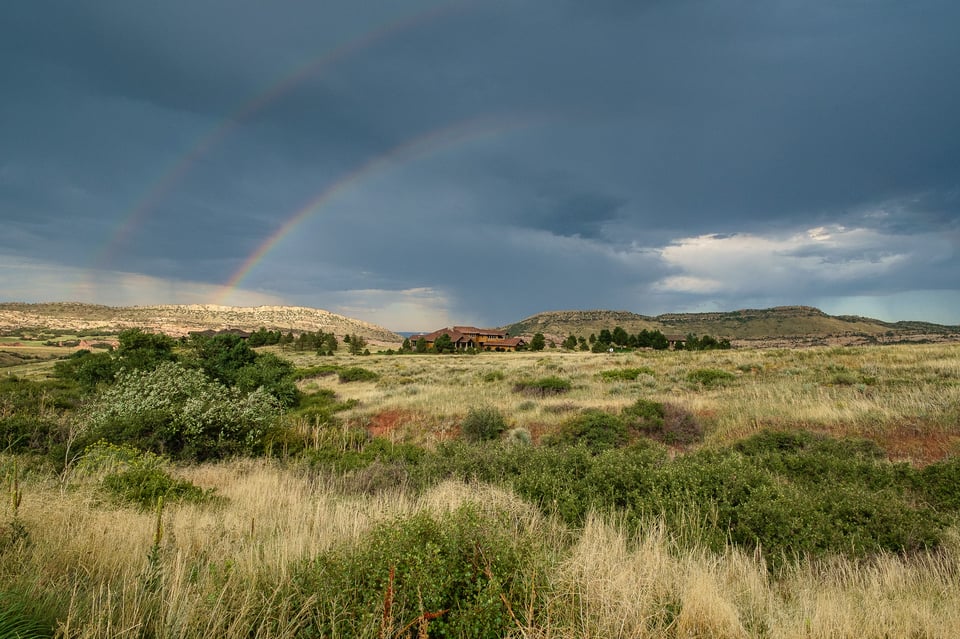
542	387
482	424
443	576
665	423
710	377
625	374
356	374
492	376
179	412
138	477
594	429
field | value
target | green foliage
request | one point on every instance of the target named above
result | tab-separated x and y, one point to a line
357	344
273	374
705	343
790	495
88	369
940	484
443	344
594	429
137	477
483	424
710	377
665	423
142	485
263	337
179	412
570	343
493	376
538	343
625	374
140	350
442	576
357	374
542	387
24	618
221	357
421	345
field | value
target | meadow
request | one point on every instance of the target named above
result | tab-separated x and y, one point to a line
743	493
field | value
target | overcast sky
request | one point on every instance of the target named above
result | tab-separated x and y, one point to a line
420	164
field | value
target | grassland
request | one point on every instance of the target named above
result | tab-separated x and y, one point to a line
906	398
289	550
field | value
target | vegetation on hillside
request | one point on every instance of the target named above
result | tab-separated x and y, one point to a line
204	488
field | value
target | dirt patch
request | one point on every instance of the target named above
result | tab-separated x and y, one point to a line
389	421
908	443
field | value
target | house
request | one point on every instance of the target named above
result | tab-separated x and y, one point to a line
674	340
466	337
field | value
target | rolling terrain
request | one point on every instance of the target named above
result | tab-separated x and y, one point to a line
783	326
176	320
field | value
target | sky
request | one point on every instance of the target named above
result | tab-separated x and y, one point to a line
425	163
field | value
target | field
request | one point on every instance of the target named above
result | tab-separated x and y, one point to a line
370	515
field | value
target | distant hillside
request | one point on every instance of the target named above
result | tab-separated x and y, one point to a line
780	326
181	319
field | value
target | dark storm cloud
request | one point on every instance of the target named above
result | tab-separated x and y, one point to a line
514	156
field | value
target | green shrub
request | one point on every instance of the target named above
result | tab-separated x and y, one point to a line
625	374
177	411
542	387
665	423
138	477
356	374
492	376
445	576
594	429
940	484
710	377
482	424
143	485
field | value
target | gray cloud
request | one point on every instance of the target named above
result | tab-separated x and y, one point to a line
507	157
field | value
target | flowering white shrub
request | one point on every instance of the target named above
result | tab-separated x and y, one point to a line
184	408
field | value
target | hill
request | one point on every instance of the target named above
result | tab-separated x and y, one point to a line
179	320
779	326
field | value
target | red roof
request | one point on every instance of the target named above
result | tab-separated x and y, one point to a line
473	330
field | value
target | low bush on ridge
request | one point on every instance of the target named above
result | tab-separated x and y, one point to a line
542	387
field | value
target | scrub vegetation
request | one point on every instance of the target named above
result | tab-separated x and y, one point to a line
209	489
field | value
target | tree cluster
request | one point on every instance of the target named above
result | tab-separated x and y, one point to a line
320	342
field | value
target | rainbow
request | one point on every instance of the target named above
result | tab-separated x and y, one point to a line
179	169
431	142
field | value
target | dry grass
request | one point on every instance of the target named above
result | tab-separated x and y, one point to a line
226	569
901	396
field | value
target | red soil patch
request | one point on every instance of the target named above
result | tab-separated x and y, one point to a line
388	421
911	444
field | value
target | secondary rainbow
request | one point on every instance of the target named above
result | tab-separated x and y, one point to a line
179	169
430	142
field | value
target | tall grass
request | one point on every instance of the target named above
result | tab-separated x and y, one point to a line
231	570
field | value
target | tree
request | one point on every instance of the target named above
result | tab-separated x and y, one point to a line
357	344
144	350
538	343
443	344
222	356
620	337
421	345
570	343
406	347
605	337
